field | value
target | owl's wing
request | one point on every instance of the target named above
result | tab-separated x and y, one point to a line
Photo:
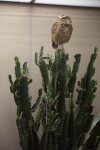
54	30
54	27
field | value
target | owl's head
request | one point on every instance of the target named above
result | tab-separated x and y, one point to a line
65	17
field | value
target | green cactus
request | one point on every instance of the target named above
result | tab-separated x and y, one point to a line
72	79
86	95
63	129
24	120
60	80
93	139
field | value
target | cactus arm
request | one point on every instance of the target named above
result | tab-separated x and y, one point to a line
36	59
20	90
25	69
35	106
17	67
37	120
49	128
64	136
22	132
72	80
44	71
92	140
86	95
54	79
71	123
12	84
33	141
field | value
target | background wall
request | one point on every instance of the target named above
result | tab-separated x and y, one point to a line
23	30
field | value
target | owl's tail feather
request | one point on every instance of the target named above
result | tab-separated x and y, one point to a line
54	45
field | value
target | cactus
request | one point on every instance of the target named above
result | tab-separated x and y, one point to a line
63	129
59	81
24	120
93	139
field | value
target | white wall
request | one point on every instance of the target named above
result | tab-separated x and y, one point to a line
14	41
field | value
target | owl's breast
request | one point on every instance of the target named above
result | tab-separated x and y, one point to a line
63	34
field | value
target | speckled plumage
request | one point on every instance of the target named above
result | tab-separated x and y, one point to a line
61	31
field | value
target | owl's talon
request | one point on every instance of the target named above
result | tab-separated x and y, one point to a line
61	47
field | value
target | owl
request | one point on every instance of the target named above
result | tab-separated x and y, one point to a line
61	31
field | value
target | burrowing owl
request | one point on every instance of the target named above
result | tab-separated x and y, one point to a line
61	31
